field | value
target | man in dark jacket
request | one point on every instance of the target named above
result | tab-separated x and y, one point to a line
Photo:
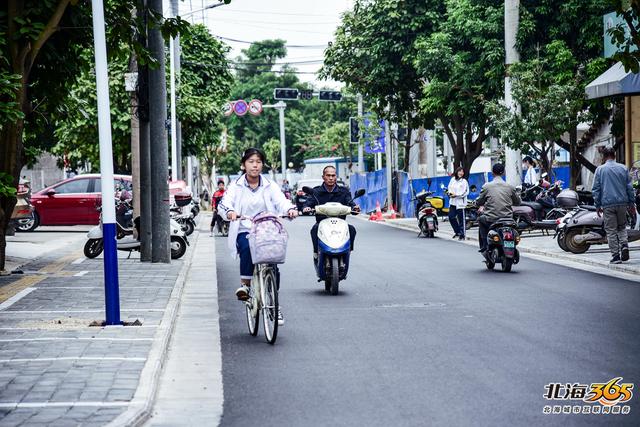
329	191
613	194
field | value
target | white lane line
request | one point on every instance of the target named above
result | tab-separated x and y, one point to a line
56	359
79	261
4	328
102	287
15	405
8	303
81	273
74	339
75	311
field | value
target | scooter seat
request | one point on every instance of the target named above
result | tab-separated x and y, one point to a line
533	205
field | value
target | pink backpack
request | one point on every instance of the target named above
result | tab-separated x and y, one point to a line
268	239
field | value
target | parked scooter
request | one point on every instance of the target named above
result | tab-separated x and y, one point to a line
427	214
128	237
334	245
22	217
502	241
581	228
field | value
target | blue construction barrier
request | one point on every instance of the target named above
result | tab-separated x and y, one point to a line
375	184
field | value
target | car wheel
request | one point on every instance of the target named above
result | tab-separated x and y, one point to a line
29	224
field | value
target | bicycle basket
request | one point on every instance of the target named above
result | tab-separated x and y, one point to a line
268	240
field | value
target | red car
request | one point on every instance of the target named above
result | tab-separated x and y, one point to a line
72	201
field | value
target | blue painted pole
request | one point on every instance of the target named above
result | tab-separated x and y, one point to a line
111	287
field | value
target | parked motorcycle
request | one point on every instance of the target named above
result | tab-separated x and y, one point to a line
22	217
502	240
427	214
128	237
581	228
334	245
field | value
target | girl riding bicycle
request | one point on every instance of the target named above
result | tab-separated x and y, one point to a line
248	196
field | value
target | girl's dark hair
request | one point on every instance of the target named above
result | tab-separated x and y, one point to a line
529	160
250	152
455	173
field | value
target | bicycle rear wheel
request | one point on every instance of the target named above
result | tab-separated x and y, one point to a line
269	290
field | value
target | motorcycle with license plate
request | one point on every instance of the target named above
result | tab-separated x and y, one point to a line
334	244
502	242
426	213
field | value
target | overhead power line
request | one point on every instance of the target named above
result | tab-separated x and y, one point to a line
311	46
255	12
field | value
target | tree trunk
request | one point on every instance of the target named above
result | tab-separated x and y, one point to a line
574	165
579	157
11	164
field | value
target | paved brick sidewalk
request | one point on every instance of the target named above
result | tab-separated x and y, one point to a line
57	370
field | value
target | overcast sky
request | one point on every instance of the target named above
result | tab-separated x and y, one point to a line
309	23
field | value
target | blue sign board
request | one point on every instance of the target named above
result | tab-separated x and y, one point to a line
376	144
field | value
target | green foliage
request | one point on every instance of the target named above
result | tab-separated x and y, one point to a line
7	189
205	83
626	35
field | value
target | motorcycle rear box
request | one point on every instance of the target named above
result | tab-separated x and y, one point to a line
567	199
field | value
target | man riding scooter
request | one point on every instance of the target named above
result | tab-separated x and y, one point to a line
497	199
329	191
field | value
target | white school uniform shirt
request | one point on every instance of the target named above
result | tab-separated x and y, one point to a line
460	188
531	176
246	201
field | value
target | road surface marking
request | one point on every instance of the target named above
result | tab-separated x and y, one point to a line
56	359
8	303
80	274
79	261
16	405
14	289
74	339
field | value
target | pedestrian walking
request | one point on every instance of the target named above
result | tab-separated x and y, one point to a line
458	190
216	219
613	195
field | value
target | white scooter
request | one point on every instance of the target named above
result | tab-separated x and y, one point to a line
334	245
128	239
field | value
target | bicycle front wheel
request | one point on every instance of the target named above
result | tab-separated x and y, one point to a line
269	290
253	315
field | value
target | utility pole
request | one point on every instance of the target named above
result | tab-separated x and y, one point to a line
172	83
360	146
513	158
160	249
283	145
389	162
145	147
111	286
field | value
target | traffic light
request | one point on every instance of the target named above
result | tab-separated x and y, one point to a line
285	93
306	94
329	95
354	130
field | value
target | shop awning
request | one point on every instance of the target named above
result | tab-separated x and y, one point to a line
613	82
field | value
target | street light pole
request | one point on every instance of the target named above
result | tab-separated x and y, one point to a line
111	286
281	106
360	146
513	158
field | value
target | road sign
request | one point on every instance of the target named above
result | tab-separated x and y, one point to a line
255	107
285	93
240	107
227	109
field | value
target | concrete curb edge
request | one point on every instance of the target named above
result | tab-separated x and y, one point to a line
144	398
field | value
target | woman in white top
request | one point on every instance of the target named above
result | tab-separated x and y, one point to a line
458	191
531	177
248	196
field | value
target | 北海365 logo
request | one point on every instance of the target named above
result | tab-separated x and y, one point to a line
610	393
607	394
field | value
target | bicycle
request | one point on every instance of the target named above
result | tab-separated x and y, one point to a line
263	297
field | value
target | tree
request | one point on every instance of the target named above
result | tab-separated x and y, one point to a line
626	35
43	45
537	127
462	65
373	53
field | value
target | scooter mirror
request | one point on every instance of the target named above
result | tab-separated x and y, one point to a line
473	189
359	193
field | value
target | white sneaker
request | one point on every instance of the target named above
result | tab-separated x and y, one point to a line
211	234
243	293
280	317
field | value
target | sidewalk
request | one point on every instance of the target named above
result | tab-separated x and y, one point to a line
535	244
57	370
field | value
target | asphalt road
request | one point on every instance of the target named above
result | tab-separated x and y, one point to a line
422	334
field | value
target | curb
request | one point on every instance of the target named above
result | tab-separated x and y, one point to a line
141	406
621	268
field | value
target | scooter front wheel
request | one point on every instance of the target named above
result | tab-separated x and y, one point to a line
335	276
93	248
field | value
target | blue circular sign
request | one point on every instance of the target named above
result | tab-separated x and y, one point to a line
240	107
